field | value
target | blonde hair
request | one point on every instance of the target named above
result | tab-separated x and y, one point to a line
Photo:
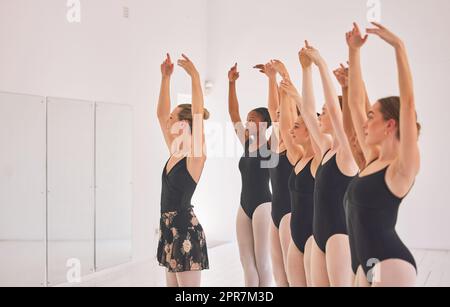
186	114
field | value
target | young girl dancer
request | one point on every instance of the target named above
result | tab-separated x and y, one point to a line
182	245
253	218
280	231
373	198
301	147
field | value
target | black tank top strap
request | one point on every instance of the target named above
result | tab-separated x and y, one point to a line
325	154
309	162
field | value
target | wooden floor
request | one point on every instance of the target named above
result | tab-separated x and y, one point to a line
434	271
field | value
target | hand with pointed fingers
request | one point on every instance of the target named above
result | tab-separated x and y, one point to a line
385	35
341	75
304	59
288	87
267	69
354	38
167	67
270	71
280	68
233	74
261	68
312	53
188	66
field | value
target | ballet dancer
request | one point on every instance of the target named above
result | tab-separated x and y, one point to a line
301	148
253	218
379	257
280	231
182	248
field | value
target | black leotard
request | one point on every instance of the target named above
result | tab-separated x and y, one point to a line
179	227
372	211
255	179
279	178
329	213
301	186
178	187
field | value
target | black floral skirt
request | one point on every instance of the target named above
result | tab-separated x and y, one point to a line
182	243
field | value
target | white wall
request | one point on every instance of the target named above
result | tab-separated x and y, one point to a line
22	168
106	58
254	31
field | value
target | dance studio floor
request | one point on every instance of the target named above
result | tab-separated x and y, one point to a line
434	271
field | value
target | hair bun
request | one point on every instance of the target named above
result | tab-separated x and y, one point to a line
206	114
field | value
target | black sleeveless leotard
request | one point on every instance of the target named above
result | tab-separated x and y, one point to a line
329	213
372	211
279	178
301	186
255	179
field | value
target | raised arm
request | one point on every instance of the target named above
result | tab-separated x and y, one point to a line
342	76
307	105
233	104
163	111
408	163
288	114
281	69
331	101
273	101
273	96
358	99
198	110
